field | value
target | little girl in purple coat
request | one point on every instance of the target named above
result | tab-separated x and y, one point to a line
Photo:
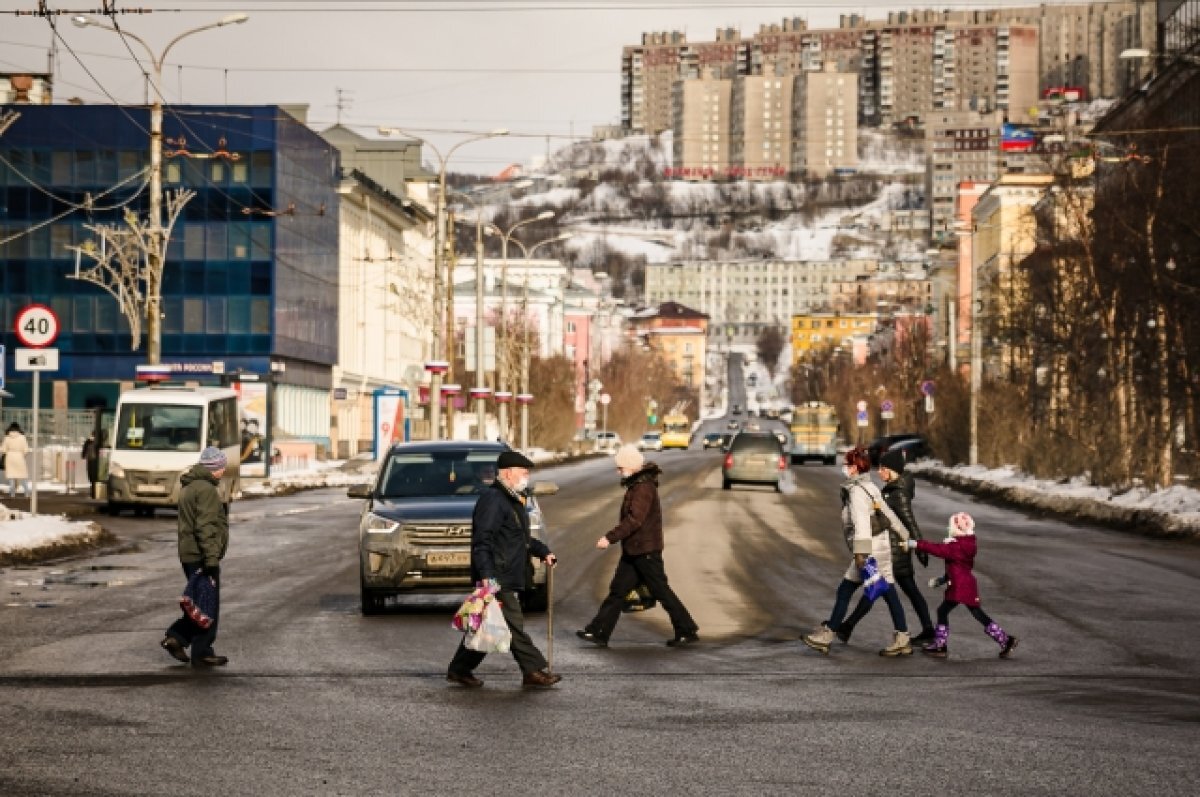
959	552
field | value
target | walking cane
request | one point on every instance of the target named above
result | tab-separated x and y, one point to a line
550	618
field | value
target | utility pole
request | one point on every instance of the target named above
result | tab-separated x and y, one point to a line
153	237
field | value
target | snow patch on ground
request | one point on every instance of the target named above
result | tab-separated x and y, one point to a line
23	531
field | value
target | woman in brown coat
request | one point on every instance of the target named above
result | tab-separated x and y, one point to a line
640	532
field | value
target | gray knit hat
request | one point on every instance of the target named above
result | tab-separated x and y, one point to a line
213	459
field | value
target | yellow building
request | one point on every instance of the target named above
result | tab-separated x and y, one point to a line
815	331
679	334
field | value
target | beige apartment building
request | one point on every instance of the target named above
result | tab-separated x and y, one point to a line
761	132
912	62
701	144
960	147
825	121
648	75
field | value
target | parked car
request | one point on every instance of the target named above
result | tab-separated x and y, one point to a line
414	534
737	409
914	448
754	458
881	444
650	441
733	424
713	440
608	441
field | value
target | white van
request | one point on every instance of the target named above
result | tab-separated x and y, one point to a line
158	436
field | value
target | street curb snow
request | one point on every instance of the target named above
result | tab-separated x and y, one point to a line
1146	522
93	538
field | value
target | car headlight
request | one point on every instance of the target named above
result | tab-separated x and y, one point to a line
114	469
377	524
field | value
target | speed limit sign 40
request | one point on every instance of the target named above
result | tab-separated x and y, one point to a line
37	326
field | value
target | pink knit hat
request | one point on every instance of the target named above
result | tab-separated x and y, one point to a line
961	525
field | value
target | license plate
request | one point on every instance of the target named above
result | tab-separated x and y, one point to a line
151	489
450	559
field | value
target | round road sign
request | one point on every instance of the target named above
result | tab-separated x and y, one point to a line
37	326
886	405
605	398
861	406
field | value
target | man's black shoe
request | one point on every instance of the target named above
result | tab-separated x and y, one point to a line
210	661
595	639
683	640
173	646
468	680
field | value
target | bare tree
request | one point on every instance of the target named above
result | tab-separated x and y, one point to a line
770	345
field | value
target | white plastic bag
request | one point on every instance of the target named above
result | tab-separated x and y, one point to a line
493	635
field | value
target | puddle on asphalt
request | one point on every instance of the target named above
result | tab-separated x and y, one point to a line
88	577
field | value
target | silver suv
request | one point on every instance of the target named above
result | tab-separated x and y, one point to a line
414	534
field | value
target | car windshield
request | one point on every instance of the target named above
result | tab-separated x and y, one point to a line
159	427
436	474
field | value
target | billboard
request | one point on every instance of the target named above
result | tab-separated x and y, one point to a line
391	419
252	407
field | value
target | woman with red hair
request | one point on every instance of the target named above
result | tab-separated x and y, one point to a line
861	499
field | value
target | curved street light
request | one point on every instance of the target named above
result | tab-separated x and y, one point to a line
155	251
441	303
505	237
525	354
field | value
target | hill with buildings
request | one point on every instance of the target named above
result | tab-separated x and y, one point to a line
623	213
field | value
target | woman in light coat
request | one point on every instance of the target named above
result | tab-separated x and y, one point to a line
15	447
860	499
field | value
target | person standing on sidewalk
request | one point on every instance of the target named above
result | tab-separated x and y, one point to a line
500	549
640	532
898	491
861	500
14	448
203	538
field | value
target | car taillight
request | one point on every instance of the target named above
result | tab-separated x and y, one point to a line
782	462
729	460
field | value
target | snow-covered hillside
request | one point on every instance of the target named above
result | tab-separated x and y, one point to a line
612	197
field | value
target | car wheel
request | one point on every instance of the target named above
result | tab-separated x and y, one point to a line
828	460
535	600
726	484
371	601
113	508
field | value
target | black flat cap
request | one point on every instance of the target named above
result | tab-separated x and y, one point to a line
513	459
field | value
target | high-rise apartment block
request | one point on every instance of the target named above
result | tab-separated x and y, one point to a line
825	122
910	64
702	112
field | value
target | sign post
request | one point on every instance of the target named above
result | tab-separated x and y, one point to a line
887	411
36	328
604	401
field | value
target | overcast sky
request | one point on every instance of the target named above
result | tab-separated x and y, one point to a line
541	68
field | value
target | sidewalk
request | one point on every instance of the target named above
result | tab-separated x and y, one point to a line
76	505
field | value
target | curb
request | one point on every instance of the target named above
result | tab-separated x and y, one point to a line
1144	522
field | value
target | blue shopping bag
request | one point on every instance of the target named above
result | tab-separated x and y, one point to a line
874	584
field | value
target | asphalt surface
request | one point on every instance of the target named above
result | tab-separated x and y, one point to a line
1101	696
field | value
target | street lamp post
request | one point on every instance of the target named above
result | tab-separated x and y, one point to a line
439	239
501	350
526	348
155	251
480	392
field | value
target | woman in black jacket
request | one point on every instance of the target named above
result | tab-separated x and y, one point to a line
898	490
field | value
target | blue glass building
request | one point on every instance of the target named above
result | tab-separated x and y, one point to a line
251	270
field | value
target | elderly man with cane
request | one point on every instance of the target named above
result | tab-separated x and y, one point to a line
500	548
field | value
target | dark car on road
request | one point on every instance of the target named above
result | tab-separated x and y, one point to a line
713	440
414	534
880	444
914	448
754	458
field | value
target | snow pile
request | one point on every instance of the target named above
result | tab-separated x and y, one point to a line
1174	511
21	531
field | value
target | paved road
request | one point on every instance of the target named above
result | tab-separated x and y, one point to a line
1102	696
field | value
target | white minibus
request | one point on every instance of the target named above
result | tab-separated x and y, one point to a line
157	437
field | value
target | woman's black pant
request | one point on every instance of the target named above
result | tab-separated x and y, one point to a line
641	569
